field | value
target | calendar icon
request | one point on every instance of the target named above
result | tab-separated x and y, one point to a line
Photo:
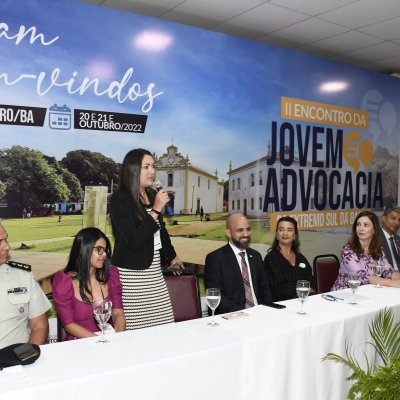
59	117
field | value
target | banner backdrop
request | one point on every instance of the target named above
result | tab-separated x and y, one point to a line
293	133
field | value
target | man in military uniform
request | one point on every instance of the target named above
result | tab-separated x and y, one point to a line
23	304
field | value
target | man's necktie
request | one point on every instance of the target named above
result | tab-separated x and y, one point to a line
246	281
395	253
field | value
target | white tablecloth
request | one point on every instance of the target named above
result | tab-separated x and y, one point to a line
271	354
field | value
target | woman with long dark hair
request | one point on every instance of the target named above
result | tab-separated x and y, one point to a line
142	243
362	252
284	264
87	278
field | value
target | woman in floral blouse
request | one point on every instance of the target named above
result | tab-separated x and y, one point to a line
362	252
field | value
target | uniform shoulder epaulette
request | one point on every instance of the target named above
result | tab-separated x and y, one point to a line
24	267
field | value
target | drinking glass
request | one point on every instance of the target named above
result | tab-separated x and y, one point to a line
378	271
302	290
353	280
102	313
213	298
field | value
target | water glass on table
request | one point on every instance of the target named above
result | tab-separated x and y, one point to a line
213	298
302	290
102	312
353	281
378	271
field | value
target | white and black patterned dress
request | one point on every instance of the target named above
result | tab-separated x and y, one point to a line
145	296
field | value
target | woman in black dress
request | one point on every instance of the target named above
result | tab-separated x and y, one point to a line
284	264
142	243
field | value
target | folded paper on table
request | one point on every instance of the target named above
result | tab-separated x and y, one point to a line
235	315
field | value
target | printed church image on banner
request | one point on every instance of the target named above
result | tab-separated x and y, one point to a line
189	187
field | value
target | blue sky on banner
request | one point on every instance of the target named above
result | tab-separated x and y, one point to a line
219	93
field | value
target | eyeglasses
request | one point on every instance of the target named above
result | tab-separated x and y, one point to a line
100	250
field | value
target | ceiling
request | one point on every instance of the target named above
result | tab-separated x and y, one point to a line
362	32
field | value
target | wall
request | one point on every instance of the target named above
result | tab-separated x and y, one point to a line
76	77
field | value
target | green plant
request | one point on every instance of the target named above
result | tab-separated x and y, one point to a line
378	382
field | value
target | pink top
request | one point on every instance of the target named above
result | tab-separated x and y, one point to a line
70	309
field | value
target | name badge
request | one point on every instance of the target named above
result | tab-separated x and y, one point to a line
18	290
157	240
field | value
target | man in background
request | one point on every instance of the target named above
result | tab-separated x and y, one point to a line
237	270
23	304
390	241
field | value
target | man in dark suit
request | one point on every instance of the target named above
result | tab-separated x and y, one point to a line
390	241
237	270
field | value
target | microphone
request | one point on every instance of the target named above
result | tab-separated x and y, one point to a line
168	207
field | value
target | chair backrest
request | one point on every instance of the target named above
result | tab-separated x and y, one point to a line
185	298
326	270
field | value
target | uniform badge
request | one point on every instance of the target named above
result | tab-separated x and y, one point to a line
18	290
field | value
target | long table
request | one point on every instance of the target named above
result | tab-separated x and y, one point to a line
271	354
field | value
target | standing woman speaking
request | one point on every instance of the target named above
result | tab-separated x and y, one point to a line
142	243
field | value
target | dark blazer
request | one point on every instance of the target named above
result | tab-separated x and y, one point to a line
222	271
134	238
386	248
